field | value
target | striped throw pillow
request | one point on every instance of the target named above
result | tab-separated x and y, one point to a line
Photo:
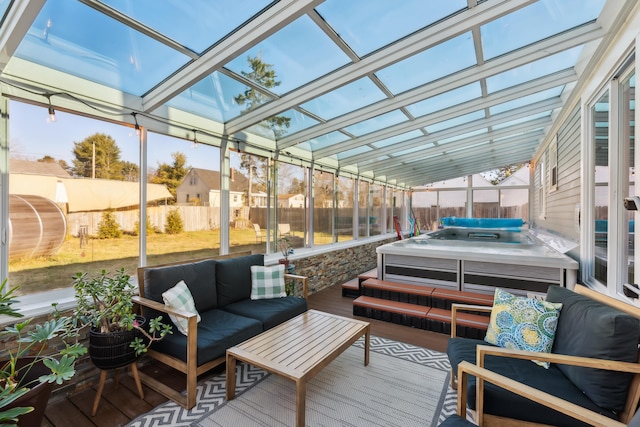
180	297
267	282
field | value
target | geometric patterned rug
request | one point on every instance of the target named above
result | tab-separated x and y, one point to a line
211	391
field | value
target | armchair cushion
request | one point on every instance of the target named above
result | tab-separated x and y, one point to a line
522	323
269	312
504	403
180	297
200	277
233	278
611	335
217	331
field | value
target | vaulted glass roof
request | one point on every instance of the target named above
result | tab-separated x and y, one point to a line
407	92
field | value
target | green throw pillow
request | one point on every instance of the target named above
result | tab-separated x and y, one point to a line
523	323
267	282
180	297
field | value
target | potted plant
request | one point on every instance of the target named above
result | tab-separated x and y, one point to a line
284	245
43	354
117	336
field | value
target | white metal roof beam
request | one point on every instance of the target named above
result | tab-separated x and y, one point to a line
422	40
19	19
273	19
517	131
496	98
550	46
475	125
517	143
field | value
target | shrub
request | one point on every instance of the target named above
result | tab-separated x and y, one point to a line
108	227
174	223
150	228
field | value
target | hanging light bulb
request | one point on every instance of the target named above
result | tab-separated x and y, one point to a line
195	139
52	114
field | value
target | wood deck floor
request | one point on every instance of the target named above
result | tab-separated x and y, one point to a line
121	404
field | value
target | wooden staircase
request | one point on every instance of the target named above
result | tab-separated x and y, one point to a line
419	306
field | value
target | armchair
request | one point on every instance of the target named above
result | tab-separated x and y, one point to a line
593	379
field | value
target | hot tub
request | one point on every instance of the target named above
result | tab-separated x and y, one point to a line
477	260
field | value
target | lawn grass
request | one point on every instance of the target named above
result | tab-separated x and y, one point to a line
40	274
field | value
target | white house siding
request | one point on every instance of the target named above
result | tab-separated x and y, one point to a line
560	217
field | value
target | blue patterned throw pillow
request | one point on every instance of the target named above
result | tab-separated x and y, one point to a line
523	323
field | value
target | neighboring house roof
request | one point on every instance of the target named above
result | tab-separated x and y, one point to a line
287	196
37	168
211	179
519	177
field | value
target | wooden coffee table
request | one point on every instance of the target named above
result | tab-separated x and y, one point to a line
298	349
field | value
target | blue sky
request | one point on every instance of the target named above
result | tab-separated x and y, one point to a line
33	136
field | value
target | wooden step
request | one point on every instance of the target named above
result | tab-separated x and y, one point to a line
443	298
391	311
468	325
402	292
351	289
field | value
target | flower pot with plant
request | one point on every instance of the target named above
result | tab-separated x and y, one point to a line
284	245
118	336
34	362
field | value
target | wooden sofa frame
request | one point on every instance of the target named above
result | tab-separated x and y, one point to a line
560	405
190	367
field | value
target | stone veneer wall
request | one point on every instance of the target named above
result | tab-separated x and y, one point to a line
339	266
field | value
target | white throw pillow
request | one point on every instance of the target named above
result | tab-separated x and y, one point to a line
180	297
267	282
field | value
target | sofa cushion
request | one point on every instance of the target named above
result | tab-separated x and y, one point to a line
504	403
270	312
233	278
611	334
522	323
200	277
180	297
218	330
267	282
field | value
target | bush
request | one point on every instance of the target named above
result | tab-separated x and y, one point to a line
150	228
108	227
174	223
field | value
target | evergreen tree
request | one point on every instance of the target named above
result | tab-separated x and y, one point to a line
174	223
107	158
108	227
265	76
171	175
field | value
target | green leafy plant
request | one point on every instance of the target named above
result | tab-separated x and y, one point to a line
284	245
108	227
106	302
33	342
174	223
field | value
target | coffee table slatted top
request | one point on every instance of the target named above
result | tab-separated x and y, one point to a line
303	345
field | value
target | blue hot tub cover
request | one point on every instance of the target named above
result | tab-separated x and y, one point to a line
452	221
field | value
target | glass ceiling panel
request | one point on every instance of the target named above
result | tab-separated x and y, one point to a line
464	136
367	25
523	120
345	99
542	67
4	5
413	150
456	121
376	123
441	60
327	140
522	27
526	100
398	138
211	97
113	55
297	122
196	24
299	53
446	100
354	152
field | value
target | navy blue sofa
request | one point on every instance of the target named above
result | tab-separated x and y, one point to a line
221	289
586	327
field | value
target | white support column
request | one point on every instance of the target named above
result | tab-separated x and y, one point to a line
225	179
142	236
4	188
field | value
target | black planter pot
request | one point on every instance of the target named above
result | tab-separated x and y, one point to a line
113	350
38	395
